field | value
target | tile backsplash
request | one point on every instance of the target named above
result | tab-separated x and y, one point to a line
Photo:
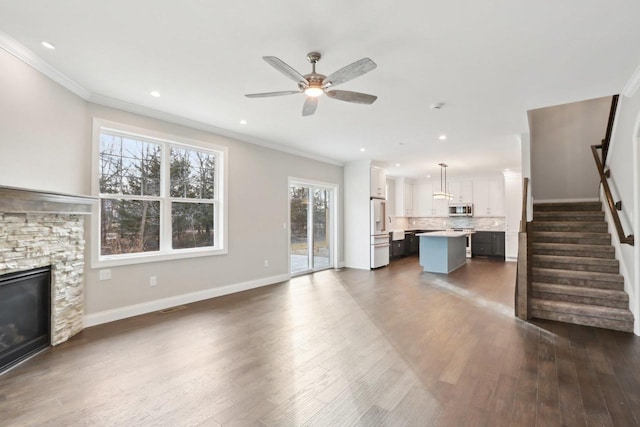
479	223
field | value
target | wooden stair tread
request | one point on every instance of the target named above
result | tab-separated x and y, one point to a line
553	288
581	234
576	249
576	319
586	275
559	262
587	226
586	216
573	206
582	309
566	259
571	237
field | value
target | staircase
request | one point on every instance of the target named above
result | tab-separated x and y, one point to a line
575	276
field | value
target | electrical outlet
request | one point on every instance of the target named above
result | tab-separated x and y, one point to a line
284	225
266	263
153	281
105	274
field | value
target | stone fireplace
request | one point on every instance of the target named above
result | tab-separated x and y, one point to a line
39	229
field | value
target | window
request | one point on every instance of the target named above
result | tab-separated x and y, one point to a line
160	197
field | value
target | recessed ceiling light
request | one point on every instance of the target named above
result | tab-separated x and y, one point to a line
155	94
428	176
48	45
397	164
243	122
442	137
507	170
362	149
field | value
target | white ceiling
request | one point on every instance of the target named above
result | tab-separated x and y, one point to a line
488	61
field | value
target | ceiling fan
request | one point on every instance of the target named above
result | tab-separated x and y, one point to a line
314	84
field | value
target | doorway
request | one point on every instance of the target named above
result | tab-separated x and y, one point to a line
311	227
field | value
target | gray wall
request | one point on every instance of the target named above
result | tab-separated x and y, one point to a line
45	144
562	166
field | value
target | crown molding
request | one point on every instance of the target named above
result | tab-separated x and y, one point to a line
632	85
28	57
194	124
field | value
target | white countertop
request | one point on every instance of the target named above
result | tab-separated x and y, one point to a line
445	234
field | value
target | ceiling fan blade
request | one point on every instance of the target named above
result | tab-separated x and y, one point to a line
349	72
285	69
266	94
310	105
348	96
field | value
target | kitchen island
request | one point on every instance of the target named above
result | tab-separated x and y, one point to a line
443	251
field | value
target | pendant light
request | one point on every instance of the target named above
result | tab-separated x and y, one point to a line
443	194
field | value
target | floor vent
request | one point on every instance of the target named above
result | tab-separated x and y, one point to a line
172	309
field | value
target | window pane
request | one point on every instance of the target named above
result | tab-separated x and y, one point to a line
192	174
299	208
129	226
191	225
129	166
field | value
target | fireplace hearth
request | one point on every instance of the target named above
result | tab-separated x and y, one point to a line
25	315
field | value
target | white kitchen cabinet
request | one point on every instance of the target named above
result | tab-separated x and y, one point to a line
423	202
422	199
404	197
462	191
440	207
488	197
378	182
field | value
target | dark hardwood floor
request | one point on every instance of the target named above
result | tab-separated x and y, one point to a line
392	347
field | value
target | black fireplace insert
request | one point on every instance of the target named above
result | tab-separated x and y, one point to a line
25	315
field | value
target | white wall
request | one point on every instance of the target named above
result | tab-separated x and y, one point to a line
42	122
525	152
43	128
624	162
562	166
357	231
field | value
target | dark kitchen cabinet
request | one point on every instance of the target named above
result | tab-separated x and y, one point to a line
415	244
411	243
497	241
397	248
488	244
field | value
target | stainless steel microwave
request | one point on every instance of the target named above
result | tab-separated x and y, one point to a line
461	209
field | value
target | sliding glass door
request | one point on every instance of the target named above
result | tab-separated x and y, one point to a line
311	227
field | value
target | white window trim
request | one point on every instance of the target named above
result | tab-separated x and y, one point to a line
220	213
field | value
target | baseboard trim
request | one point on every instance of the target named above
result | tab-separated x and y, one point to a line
161	304
588	199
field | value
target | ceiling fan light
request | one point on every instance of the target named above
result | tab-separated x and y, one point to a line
313	91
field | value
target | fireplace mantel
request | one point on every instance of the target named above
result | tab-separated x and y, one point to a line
19	200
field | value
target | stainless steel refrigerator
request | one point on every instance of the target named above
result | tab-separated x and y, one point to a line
379	234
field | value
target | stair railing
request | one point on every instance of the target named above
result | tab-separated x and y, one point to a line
607	137
614	207
521	304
